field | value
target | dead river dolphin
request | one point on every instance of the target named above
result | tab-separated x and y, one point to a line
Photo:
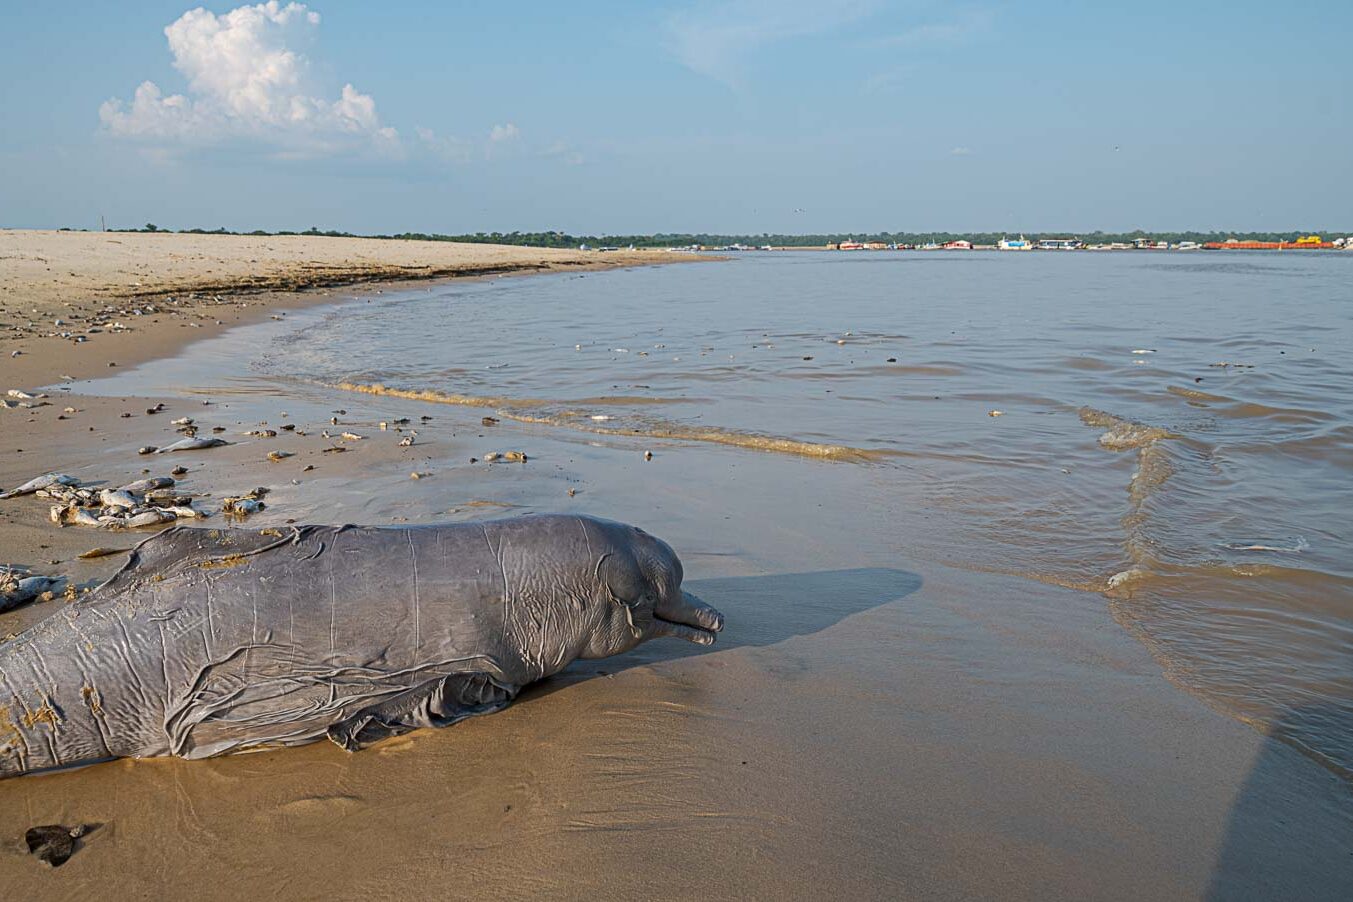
209	642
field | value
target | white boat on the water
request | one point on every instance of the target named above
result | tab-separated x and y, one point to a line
1015	244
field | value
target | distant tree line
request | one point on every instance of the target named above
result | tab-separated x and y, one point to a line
682	239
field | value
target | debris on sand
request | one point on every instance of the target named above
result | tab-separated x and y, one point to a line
54	844
196	443
243	505
506	457
99	552
18	588
145	502
11	404
39	483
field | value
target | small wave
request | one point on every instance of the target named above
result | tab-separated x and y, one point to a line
1244	410
897	369
1194	394
539	412
1290	546
1124	581
438	397
1122	435
710	434
1155	467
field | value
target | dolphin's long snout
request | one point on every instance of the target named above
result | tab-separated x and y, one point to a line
690	610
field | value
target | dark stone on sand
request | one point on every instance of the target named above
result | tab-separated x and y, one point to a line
54	843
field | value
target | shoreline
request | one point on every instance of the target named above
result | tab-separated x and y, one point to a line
216	282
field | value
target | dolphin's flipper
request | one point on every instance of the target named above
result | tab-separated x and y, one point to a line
438	703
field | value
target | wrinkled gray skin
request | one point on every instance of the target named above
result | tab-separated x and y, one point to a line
215	641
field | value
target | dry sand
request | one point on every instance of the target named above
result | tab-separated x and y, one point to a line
196	284
908	732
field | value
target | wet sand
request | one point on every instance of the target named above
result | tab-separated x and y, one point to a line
865	728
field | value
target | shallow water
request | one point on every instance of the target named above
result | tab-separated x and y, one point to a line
1175	432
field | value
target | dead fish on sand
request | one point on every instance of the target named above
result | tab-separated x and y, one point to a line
244	505
117	499
99	552
278	455
9	404
74	515
141	486
196	443
145	502
40	482
151	517
16	589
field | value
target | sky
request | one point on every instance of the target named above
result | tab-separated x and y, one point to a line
741	116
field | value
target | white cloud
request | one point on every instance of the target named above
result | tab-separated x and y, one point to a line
455	149
247	83
960	152
501	133
715	39
447	148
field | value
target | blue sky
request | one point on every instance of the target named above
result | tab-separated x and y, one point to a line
732	117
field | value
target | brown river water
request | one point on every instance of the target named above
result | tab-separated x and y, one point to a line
1171	433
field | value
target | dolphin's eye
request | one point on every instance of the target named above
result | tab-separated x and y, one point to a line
644	601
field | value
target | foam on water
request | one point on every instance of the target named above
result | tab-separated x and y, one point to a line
585	421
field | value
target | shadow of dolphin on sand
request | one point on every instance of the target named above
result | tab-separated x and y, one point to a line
759	611
1289	833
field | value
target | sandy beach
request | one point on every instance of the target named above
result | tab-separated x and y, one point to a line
860	731
159	285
